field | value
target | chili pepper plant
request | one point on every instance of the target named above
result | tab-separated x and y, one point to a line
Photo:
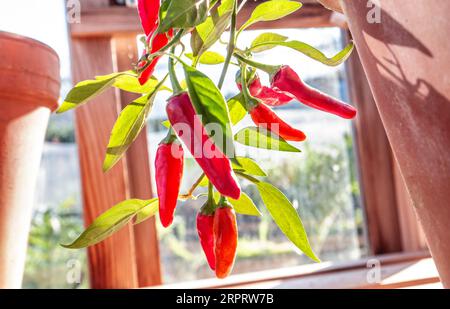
198	109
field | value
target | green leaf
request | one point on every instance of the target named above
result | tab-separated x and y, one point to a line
182	14
264	139
309	51
271	10
206	34
85	91
127	128
260	43
248	166
236	107
286	217
204	182
243	206
166	124
129	81
109	222
147	212
209	57
210	104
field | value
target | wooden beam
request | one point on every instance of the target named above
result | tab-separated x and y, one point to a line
140	182
109	21
375	165
412	235
112	262
396	271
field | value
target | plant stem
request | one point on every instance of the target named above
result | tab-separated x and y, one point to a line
270	69
250	101
231	46
173	75
176	39
210	192
195	185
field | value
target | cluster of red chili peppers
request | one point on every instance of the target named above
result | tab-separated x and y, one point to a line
216	222
149	14
287	86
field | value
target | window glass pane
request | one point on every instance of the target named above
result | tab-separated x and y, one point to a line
57	216
321	181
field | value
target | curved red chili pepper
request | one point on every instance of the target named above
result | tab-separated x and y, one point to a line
226	239
168	171
274	97
214	163
269	96
205	229
159	41
288	80
149	13
265	117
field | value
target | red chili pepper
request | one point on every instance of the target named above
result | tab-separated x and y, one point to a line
214	163
148	12
270	96
168	171
159	41
288	80
205	229
226	238
265	117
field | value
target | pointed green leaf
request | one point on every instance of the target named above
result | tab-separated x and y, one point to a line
127	128
166	124
236	107
148	211
204	182
206	34
244	205
286	217
210	104
182	14
248	166
129	81
261	138
309	51
108	223
271	10
260	43
85	91
209	58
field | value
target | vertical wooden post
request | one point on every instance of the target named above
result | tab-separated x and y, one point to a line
138	163
376	166
112	262
130	258
413	238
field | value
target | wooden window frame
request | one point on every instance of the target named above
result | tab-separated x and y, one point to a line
105	41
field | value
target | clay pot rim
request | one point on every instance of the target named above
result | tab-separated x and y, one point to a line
45	98
22	38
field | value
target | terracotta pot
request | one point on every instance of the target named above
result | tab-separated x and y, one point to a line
406	59
29	88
